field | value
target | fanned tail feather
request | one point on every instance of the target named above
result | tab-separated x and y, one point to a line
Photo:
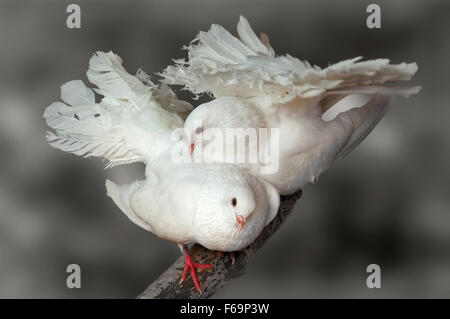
224	65
86	128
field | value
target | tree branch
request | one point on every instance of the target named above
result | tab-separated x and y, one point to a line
167	286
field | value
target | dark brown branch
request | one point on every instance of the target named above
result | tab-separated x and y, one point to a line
167	286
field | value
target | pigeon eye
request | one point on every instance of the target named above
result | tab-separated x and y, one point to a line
234	202
198	130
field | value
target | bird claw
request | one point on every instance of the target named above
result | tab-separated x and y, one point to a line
191	266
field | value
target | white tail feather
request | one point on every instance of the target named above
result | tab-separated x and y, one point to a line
114	82
249	38
86	130
120	128
76	93
223	65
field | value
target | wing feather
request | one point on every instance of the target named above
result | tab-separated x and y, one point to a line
131	123
221	64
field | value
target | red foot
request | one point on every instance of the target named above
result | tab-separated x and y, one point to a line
190	265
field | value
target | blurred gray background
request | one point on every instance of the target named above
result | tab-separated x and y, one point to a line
387	203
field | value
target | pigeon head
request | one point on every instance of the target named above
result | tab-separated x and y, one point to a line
232	207
208	123
242	204
226	202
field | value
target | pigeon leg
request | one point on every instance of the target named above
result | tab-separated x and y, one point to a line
190	265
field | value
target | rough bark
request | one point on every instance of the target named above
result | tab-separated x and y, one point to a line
167	285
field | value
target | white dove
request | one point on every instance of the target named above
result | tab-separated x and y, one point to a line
181	202
254	88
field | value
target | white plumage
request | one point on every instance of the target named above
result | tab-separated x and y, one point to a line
223	65
132	124
184	202
133	121
254	88
190	202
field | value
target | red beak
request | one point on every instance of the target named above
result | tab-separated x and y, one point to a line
241	221
191	148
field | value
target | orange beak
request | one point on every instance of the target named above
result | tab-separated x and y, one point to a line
241	221
191	148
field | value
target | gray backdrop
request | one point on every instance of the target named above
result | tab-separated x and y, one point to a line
387	203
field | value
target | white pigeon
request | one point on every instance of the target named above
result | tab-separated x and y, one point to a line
220	206
254	88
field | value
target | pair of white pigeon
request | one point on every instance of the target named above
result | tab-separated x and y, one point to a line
222	206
